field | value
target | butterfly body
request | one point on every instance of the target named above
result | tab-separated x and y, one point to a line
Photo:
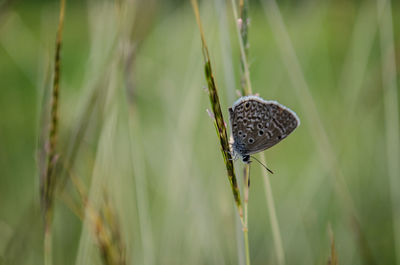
258	124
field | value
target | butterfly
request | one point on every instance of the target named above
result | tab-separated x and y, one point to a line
258	124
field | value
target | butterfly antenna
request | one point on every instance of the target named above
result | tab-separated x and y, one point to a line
269	170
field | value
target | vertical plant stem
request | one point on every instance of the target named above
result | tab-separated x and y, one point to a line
47	246
333	260
272	215
246	245
243	22
391	113
246	186
301	87
49	181
242	32
247	89
218	117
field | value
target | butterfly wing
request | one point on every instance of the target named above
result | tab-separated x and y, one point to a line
258	124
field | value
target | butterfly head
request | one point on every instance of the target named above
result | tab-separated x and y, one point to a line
246	159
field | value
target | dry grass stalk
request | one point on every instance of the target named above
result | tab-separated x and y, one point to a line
104	225
107	232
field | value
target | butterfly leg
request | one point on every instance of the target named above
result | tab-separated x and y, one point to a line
234	156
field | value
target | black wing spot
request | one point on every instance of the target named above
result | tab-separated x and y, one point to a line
251	140
247	105
260	132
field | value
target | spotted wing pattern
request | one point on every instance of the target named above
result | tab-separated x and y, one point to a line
258	124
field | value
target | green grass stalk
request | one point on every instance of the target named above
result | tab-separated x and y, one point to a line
247	87
246	186
242	31
280	254
300	85
218	117
244	26
48	181
391	113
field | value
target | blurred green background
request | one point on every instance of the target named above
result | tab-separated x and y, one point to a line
134	126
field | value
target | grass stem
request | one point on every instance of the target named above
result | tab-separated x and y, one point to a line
272	215
218	117
48	181
247	89
47	246
246	245
246	186
242	31
391	113
302	89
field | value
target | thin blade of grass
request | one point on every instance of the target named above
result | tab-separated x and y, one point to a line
242	24
242	31
247	87
300	85
333	260
363	245
391	112
280	253
226	50
219	120
317	129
